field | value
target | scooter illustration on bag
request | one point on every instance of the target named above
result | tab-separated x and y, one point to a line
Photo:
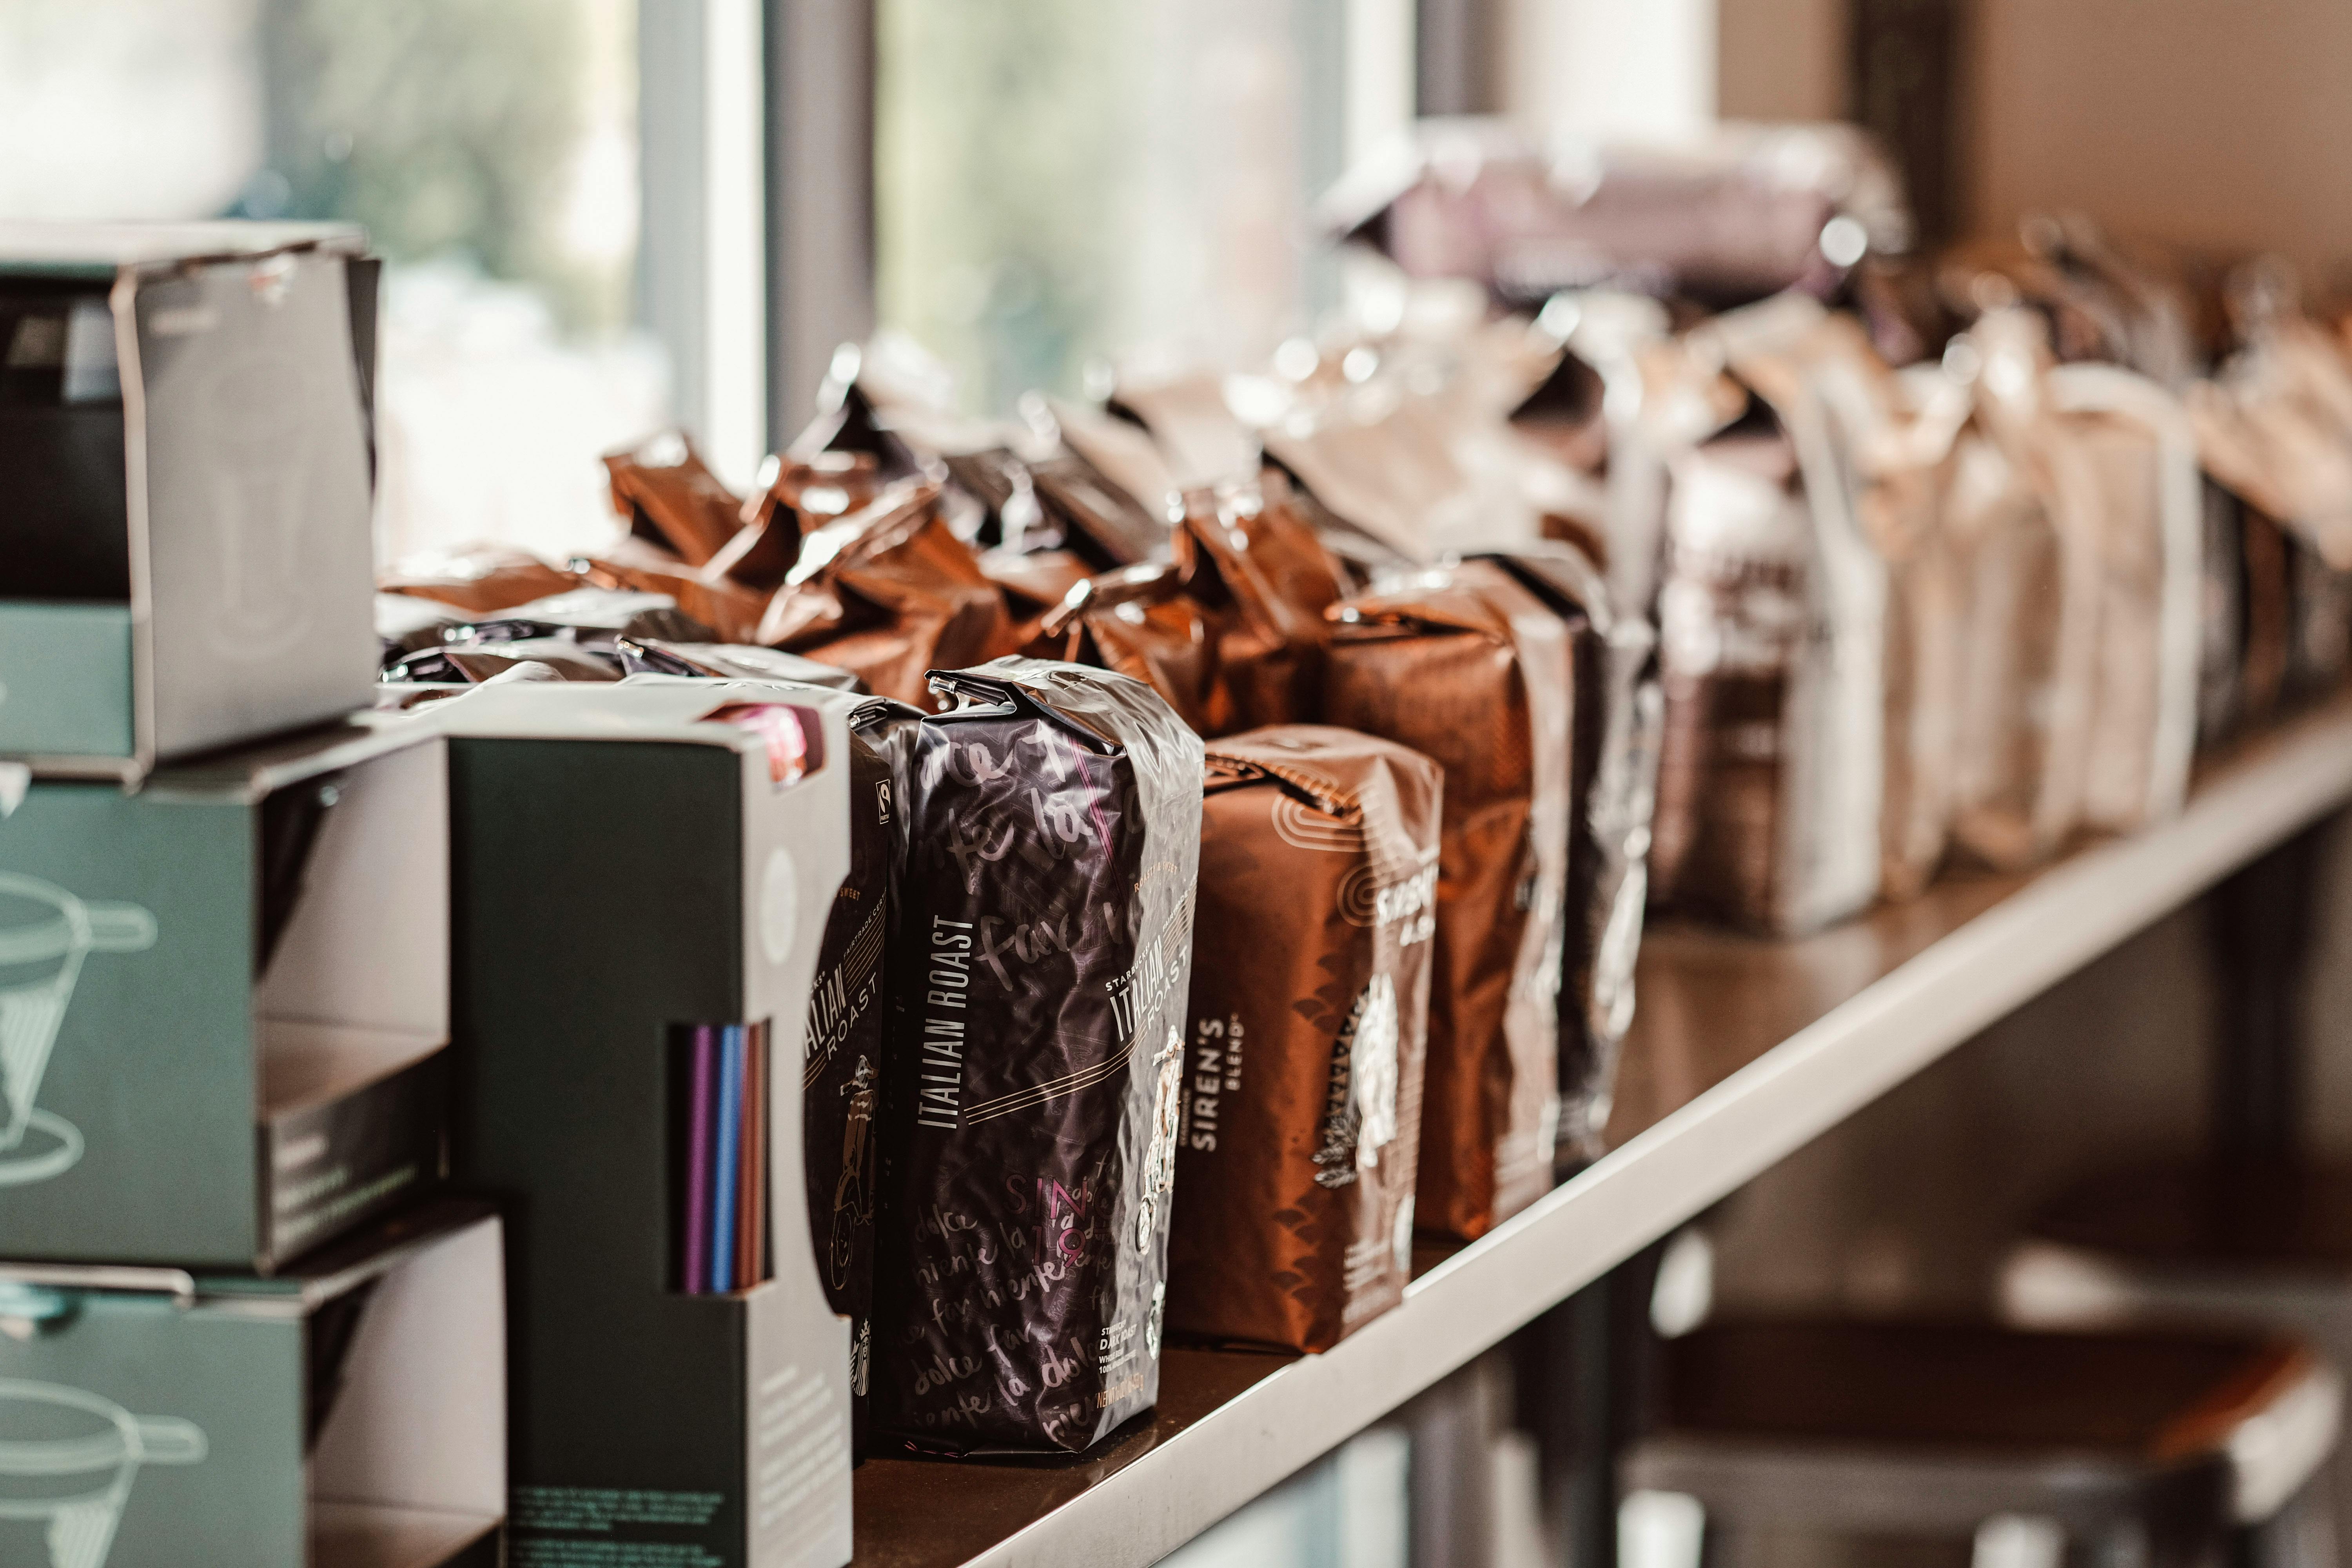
66	1462
44	934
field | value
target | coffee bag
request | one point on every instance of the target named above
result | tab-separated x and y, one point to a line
888	592
1465	666
1048	835
1310	1024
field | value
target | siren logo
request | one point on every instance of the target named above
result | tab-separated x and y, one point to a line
66	1462
45	932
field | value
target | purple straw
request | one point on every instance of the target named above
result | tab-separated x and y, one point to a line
698	1160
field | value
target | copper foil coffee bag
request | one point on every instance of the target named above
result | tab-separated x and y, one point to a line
1310	1024
889	591
796	494
1465	666
1262	580
1140	622
1108	485
633	565
1049	832
670	499
1231	632
478	578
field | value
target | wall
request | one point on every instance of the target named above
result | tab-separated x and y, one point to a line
1637	68
1780	59
2212	122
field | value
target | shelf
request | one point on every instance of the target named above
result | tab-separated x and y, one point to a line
1743	1050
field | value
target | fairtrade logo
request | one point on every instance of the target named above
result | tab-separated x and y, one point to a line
44	934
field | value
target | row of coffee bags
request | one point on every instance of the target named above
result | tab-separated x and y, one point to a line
1051	1132
1953	557
1971	609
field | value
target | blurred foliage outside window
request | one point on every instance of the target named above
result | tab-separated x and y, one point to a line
1065	183
488	146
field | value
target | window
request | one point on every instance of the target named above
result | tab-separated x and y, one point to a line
1059	183
490	146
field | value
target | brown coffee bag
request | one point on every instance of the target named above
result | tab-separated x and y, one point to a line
1465	666
1262	581
671	500
632	564
795	495
479	579
889	593
1308	1027
1140	622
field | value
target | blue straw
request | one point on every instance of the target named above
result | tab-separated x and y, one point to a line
730	1144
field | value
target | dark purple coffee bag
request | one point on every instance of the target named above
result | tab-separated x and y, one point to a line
1049	830
841	1071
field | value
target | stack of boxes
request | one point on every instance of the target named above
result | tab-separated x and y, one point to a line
326	1033
241	1319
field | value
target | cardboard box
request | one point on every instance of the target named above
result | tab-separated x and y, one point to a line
627	869
349	1413
184	426
224	1001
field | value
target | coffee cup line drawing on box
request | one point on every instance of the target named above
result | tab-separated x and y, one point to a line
44	934
67	1461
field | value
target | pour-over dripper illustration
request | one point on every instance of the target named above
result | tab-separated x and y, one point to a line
66	1462
44	934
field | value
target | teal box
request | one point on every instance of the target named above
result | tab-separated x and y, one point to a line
224	1001
185	545
632	864
347	1413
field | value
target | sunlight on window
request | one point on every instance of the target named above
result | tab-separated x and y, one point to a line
1060	182
489	147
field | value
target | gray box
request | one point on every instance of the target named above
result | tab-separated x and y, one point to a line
167	1096
184	423
349	1413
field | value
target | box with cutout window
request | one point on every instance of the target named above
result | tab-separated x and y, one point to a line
185	428
350	1411
645	875
224	1002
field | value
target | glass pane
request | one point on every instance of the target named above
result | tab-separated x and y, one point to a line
1060	181
490	146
